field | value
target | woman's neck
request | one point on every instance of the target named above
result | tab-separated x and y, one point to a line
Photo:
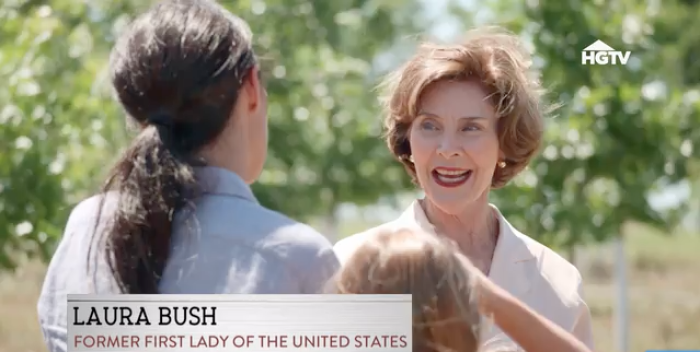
475	229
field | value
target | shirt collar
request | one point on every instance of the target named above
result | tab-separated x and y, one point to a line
216	180
508	243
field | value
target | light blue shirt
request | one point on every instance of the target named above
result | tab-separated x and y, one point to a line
228	244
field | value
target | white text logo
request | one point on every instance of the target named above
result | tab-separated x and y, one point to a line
600	53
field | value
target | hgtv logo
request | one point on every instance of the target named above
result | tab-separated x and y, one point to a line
600	53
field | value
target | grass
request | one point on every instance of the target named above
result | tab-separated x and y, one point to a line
663	290
663	286
19	331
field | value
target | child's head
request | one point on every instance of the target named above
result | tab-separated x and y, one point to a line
445	314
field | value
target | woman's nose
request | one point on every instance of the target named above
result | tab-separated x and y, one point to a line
449	147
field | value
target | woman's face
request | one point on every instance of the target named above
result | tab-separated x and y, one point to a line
454	143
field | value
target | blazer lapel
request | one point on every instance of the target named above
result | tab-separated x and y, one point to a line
510	259
512	266
510	269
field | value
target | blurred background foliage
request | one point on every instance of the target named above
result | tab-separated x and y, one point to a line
623	133
620	155
61	128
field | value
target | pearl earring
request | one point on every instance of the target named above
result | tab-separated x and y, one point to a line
501	164
410	158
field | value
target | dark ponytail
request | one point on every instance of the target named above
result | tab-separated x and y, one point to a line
176	71
151	183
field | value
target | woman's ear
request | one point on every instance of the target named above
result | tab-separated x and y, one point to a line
253	90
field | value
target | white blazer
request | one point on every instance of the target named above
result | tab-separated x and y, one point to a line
533	273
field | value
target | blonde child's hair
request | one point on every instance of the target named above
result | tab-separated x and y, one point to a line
445	314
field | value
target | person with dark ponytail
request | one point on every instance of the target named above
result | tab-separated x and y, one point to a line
176	214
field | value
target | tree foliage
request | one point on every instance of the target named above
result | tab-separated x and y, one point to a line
54	114
61	129
623	131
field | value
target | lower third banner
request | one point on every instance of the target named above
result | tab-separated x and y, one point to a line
209	323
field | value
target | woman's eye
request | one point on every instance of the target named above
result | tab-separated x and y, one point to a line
428	126
471	128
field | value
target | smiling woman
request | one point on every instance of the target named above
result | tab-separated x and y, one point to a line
465	119
454	144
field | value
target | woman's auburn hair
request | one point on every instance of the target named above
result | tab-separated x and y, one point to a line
497	60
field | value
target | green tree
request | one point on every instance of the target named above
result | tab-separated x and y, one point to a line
325	129
60	127
623	132
54	116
